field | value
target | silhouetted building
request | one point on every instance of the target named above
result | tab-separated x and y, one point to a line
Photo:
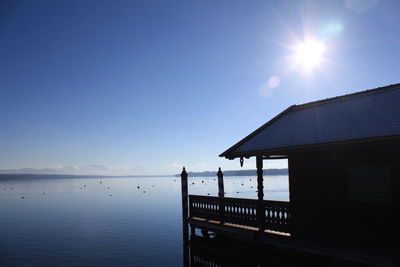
344	173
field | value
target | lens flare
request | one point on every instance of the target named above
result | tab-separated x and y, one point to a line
274	81
309	54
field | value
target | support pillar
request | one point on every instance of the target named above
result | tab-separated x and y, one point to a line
260	193
185	226
260	179
220	175
221	194
185	206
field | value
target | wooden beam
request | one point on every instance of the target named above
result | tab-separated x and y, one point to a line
275	157
260	179
260	193
221	194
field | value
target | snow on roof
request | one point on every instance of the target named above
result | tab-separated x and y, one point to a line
367	114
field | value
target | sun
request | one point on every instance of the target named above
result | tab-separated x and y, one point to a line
309	54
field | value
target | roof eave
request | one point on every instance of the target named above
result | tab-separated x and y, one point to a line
291	149
230	150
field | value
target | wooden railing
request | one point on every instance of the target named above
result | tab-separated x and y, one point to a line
274	215
277	215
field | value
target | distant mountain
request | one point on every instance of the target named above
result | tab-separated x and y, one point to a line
13	176
238	173
73	171
62	170
30	171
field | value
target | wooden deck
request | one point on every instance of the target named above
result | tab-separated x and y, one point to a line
221	225
237	218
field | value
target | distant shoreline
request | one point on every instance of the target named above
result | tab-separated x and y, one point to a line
252	172
10	176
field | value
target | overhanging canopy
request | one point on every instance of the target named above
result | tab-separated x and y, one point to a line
367	115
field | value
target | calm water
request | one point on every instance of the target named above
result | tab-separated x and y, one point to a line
107	221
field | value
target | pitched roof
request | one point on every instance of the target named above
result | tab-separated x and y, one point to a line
359	116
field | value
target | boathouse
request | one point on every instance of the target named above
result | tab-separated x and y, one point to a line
344	178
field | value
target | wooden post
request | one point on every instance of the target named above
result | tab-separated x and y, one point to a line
260	179
220	175
221	195
260	193
185	226
184	183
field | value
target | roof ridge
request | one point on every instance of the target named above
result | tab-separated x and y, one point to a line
336	98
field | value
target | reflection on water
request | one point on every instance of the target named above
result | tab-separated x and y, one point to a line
104	221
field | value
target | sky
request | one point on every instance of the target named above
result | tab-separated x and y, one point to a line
146	87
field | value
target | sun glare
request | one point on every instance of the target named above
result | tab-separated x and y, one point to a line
309	54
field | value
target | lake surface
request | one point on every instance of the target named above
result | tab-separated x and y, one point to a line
105	221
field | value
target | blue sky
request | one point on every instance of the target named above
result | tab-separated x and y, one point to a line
144	87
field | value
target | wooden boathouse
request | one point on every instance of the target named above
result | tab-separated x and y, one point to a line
344	180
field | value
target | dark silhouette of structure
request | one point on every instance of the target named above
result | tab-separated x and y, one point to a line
220	251
344	167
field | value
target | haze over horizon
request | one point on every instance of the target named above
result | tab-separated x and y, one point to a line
94	170
146	87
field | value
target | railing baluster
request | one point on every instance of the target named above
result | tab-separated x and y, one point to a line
240	211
